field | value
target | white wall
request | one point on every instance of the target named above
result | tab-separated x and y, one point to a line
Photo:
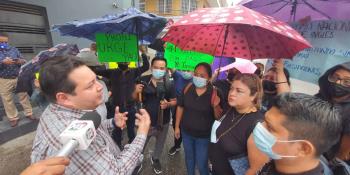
303	87
61	11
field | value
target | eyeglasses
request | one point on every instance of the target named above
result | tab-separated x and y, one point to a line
343	82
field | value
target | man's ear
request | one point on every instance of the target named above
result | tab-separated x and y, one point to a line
306	148
63	99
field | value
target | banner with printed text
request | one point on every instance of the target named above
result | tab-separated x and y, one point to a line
330	42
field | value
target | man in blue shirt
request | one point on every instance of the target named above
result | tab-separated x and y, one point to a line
181	79
10	63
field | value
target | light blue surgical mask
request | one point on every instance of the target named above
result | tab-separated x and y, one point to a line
264	141
199	82
158	74
4	45
186	75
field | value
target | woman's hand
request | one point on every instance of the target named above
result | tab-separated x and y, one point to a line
177	133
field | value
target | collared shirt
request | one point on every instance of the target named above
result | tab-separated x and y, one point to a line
102	156
12	70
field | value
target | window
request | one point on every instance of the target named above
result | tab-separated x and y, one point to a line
165	6
142	4
188	6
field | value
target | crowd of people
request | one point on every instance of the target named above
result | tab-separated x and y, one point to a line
245	124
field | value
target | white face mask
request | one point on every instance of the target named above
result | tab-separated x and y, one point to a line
186	75
214	128
264	141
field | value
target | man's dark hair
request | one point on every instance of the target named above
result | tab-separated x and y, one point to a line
285	71
54	76
4	34
159	59
310	118
207	68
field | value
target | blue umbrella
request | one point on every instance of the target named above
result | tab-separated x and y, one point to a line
145	26
27	71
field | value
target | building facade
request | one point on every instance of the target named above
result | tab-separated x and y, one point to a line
173	7
62	11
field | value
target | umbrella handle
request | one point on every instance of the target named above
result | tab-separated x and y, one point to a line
222	52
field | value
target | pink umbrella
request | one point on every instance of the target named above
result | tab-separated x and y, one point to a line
244	66
235	32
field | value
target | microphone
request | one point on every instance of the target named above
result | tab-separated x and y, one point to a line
79	134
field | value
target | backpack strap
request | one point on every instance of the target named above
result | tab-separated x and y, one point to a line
218	111
213	95
187	88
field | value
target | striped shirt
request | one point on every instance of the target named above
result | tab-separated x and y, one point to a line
102	157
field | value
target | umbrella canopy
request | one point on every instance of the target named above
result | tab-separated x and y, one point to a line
219	62
235	32
27	71
294	10
157	45
33	66
242	65
145	26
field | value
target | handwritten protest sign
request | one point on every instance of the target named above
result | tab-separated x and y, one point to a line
183	59
331	46
116	47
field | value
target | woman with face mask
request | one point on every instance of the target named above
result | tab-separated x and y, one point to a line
197	109
232	135
335	88
275	81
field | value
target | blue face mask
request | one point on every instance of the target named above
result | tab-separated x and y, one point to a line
4	45
199	82
158	74
264	141
186	75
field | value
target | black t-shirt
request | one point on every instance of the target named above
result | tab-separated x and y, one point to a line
234	142
123	83
152	102
219	160
198	115
270	169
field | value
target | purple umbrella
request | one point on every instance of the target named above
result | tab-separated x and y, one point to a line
224	61
295	10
